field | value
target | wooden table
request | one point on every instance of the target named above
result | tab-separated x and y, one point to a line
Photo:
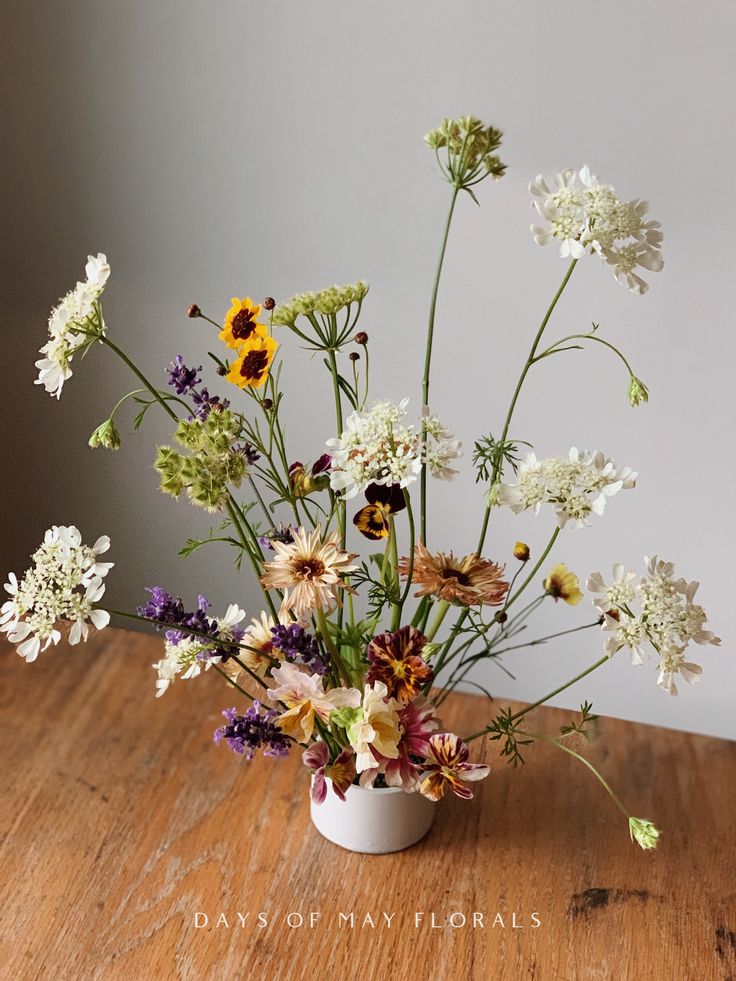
121	821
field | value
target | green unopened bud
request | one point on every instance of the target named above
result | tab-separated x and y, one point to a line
429	650
105	435
638	392
643	832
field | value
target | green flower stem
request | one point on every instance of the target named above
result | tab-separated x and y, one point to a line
330	645
555	348
513	597
546	698
393	550
235	517
498	462
466	665
428	356
412	543
139	374
261	502
232	682
422	607
443	608
596	774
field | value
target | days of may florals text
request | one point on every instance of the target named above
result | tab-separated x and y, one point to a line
356	648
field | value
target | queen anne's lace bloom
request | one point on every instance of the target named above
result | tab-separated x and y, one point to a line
654	613
62	587
584	215
69	324
577	486
376	447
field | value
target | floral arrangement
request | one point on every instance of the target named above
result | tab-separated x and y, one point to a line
352	656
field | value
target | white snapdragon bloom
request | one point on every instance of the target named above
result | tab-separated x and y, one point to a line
70	323
375	448
584	215
64	583
577	486
655	614
187	656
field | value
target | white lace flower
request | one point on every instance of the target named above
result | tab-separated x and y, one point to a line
584	215
441	447
70	324
60	588
619	592
656	614
577	486
375	448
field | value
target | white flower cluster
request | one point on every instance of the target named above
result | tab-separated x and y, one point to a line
182	654
577	486
584	215
377	448
62	586
441	447
76	313
666	621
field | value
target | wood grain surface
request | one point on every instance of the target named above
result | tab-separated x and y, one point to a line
121	820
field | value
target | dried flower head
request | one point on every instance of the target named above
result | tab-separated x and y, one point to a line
468	580
310	570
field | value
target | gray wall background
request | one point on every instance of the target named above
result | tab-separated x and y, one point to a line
237	147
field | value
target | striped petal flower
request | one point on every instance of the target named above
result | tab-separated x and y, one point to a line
396	660
447	767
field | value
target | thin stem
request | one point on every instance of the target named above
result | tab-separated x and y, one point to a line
596	774
541	701
231	681
498	462
410	570
535	570
443	608
428	355
139	374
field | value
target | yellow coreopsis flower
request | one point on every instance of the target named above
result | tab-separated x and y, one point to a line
251	368
563	584
241	323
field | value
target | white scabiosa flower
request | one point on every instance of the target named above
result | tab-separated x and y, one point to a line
375	448
654	615
60	589
73	324
576	487
584	215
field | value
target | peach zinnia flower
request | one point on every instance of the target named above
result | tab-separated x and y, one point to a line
469	580
309	570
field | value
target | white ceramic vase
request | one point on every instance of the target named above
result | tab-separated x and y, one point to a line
373	821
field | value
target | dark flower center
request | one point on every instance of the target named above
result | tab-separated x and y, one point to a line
454	575
243	325
309	568
254	364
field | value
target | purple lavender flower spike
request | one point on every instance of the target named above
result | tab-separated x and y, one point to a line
255	730
182	378
298	646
